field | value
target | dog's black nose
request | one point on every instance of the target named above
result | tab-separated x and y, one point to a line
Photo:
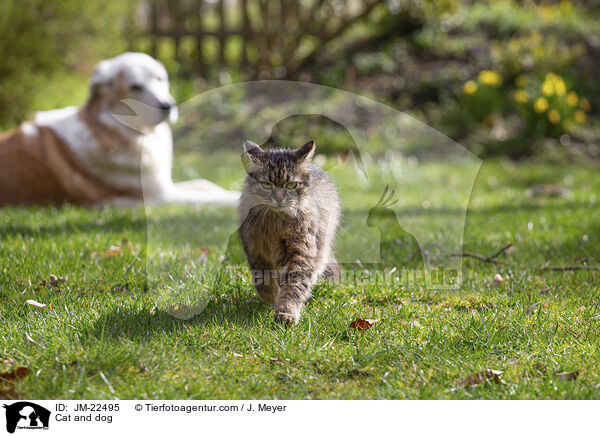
165	106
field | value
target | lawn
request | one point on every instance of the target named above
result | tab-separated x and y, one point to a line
104	333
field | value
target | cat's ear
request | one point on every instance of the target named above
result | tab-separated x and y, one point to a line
306	152
252	153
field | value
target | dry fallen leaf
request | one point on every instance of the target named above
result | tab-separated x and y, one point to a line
16	374
275	359
36	304
114	250
491	375
54	280
362	324
563	376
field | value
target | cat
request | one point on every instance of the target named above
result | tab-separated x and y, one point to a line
289	212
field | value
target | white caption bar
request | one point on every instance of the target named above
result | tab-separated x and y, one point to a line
298	417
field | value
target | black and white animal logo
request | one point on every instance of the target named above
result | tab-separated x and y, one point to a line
26	415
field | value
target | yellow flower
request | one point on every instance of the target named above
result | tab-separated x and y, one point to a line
522	81
572	99
553	83
470	87
521	96
554	116
559	85
580	117
584	104
548	87
490	78
540	105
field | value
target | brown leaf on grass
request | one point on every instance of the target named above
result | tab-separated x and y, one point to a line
112	251
36	304
16	374
115	250
565	376
54	280
275	359
362	324
491	375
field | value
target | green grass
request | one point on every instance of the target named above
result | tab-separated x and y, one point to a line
105	337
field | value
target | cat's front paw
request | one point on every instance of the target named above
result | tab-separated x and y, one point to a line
287	318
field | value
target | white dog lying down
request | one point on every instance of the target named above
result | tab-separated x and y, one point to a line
101	153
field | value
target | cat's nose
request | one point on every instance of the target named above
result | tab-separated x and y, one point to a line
278	194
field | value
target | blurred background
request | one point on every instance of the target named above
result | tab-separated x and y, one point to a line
502	77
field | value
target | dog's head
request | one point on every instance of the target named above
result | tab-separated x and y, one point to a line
134	78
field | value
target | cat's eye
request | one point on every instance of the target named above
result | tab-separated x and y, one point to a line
267	185
291	185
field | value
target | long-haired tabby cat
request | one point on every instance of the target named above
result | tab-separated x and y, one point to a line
289	212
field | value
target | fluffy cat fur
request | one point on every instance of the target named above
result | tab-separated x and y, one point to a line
289	212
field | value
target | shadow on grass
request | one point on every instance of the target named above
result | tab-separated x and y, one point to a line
102	223
146	323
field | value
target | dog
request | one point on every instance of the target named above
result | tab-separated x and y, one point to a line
115	149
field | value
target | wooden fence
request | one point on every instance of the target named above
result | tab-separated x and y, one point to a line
265	39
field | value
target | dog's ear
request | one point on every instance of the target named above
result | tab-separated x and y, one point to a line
101	79
306	152
252	153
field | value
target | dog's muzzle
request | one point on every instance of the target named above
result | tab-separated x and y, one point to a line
167	111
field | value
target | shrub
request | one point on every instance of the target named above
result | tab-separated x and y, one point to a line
40	37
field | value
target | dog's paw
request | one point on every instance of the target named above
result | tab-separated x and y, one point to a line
287	319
